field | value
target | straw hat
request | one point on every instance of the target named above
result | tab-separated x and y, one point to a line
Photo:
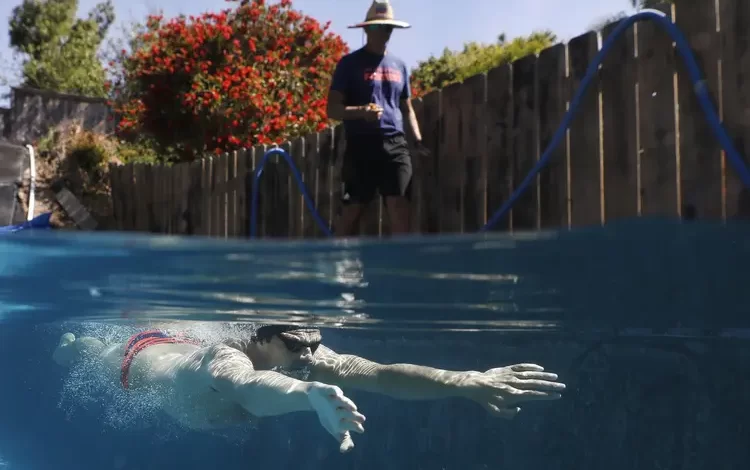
381	12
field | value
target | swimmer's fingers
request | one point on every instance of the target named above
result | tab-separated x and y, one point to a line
529	395
549	376
343	413
346	443
505	413
539	385
350	422
518	368
344	402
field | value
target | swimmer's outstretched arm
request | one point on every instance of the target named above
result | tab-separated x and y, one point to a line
268	393
498	390
262	393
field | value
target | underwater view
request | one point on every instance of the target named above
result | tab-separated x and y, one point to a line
618	347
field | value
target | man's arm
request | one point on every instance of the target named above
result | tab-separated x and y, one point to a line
402	381
408	110
338	111
336	107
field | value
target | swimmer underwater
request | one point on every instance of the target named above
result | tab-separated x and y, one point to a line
235	381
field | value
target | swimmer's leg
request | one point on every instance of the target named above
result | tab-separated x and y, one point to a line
72	349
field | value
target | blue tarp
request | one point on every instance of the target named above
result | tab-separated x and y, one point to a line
38	222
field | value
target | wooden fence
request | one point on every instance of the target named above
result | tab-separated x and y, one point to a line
639	145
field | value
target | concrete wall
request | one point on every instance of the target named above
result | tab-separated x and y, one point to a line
34	112
4	122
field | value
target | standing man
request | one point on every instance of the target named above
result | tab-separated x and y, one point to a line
370	93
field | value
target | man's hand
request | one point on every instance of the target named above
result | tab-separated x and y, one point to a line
500	390
372	112
420	150
337	413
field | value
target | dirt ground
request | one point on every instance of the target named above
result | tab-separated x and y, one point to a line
93	193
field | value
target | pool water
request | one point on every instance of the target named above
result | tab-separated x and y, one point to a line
646	322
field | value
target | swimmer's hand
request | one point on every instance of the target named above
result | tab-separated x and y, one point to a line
337	413
500	390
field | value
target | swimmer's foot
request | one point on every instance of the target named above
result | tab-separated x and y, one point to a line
65	353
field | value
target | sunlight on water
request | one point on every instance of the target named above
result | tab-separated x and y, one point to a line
536	281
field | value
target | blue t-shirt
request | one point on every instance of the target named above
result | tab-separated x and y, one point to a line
363	78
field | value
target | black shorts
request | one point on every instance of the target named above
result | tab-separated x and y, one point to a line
375	165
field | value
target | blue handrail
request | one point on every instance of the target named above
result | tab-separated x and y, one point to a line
301	184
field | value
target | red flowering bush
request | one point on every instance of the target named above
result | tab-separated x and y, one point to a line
248	75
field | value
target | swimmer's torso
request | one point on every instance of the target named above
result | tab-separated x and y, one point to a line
188	398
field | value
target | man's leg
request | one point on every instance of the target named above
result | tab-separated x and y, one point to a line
398	214
358	186
395	185
70	350
348	223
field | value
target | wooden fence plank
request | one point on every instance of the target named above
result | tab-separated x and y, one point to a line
196	210
310	170
162	197
141	222
735	99
259	212
525	142
585	133
153	172
153	176
163	185
553	178
244	168
192	210
337	154
415	203
325	179
620	127
215	228
223	193
213	197
232	194
206	182
296	199
169	187
432	110
699	151
126	179
499	143
285	187
176	198
473	143
175	195
184	214
115	187
170	177
656	114
450	162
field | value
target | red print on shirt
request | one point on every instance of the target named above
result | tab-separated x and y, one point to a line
382	74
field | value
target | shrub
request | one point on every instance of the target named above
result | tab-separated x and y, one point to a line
475	58
253	74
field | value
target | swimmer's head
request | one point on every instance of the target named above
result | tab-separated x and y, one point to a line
287	346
